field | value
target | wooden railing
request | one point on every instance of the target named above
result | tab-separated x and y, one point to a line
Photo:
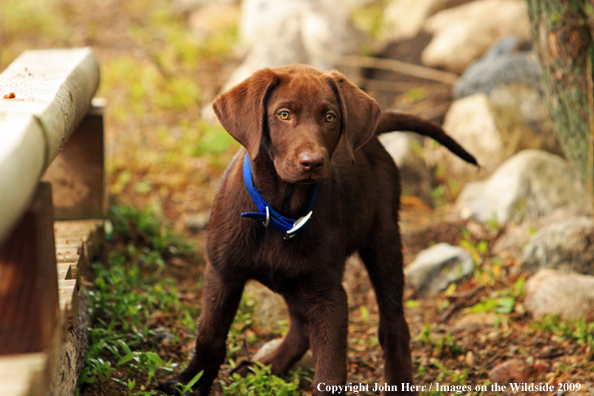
51	168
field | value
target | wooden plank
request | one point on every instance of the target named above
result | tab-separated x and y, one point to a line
64	271
58	368
24	374
67	289
52	93
87	236
28	280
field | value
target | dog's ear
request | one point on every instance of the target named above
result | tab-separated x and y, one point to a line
360	112
242	109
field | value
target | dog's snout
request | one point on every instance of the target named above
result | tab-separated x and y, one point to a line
311	161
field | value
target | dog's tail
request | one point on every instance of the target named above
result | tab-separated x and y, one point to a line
392	121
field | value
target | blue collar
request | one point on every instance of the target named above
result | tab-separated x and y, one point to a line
269	216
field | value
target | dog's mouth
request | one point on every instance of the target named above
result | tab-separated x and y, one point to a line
306	178
309	180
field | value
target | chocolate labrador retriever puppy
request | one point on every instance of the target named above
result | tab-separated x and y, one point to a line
311	186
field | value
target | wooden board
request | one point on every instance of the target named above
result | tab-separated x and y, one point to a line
55	369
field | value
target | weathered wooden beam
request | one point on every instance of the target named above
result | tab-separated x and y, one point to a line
44	95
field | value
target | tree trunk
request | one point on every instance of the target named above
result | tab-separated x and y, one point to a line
563	42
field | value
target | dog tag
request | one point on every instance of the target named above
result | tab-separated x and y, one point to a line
299	223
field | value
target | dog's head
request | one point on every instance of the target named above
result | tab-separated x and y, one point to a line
297	115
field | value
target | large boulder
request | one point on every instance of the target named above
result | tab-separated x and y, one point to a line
415	177
529	185
566	246
462	34
514	237
472	122
435	268
493	128
279	33
405	18
550	292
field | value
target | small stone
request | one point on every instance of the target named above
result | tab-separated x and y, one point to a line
197	221
514	370
473	320
469	359
306	362
435	268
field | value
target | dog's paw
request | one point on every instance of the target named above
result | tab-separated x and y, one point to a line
174	386
242	368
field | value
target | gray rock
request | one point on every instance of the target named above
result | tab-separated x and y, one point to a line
527	186
502	64
515	237
415	177
567	246
550	292
435	268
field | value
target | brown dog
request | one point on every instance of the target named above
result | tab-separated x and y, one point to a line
312	155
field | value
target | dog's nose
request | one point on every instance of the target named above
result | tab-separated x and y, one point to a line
310	161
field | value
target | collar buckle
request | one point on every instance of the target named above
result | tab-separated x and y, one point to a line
267	222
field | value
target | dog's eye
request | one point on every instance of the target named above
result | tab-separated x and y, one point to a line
330	117
284	115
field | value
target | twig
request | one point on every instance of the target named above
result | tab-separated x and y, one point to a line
401	67
590	87
436	111
387	86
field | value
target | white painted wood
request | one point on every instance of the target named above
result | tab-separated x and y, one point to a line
53	91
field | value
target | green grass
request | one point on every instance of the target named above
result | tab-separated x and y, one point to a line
125	296
262	383
579	331
133	288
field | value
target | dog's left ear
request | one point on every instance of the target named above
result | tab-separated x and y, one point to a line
360	112
242	109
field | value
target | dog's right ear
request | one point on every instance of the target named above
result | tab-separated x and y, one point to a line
242	109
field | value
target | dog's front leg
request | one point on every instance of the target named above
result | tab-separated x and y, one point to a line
328	323
220	299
